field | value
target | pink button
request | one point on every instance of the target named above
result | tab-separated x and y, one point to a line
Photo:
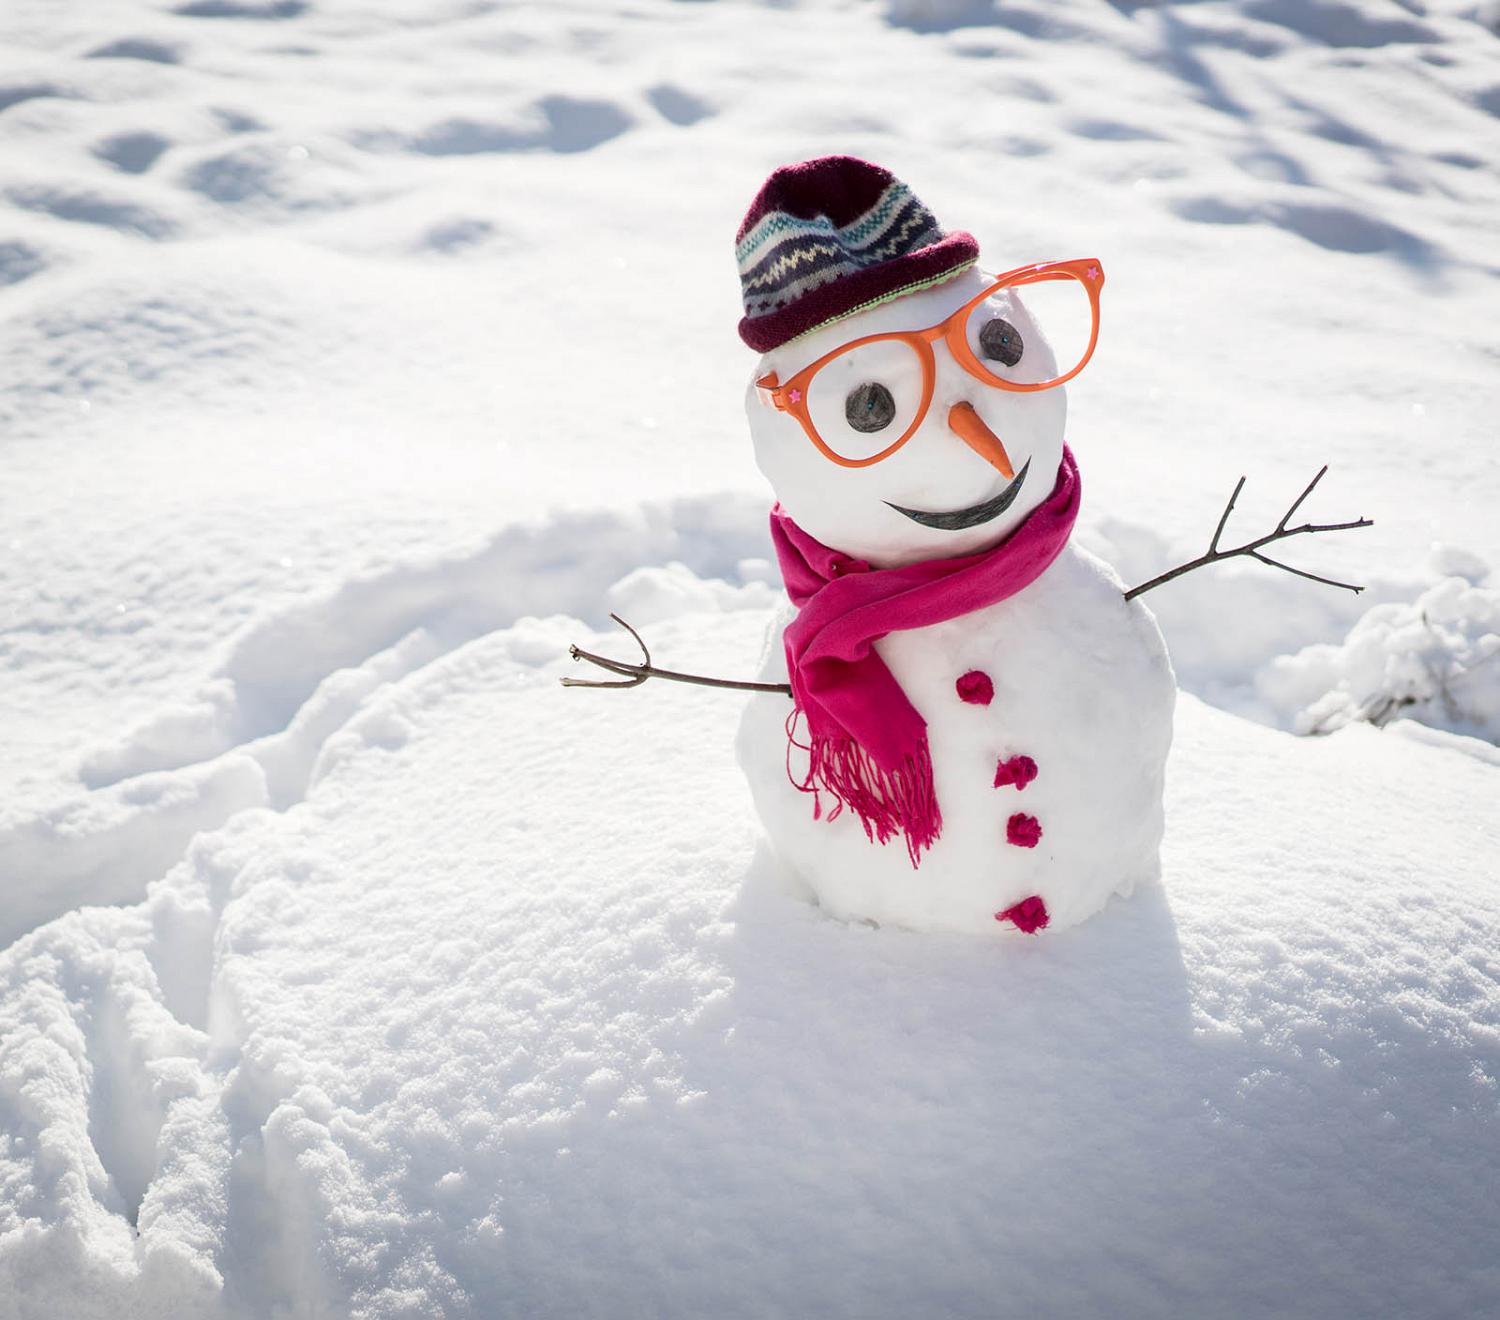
1022	830
1019	770
975	688
1029	915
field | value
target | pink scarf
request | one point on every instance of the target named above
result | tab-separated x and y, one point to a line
868	745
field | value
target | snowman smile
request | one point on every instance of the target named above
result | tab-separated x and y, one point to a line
957	519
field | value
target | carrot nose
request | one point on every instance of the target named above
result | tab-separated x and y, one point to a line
969	427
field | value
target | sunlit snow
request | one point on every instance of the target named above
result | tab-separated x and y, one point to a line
360	357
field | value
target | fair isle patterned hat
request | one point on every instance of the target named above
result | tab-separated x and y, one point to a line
831	237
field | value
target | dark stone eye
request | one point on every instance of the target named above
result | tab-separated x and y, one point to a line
869	407
1000	341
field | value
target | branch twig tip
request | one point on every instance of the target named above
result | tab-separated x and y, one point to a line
633	674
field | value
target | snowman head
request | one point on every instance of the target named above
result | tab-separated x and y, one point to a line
907	405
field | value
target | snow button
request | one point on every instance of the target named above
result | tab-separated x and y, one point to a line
1018	770
975	688
1023	830
1029	915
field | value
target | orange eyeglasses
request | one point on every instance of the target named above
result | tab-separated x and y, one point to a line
852	400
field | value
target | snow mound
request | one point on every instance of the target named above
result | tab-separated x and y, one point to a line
253	732
510	1012
1435	660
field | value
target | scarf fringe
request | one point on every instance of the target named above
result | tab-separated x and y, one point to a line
847	693
888	802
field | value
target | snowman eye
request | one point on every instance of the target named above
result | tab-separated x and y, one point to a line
1000	341
869	407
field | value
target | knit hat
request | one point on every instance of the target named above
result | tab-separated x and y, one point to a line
831	237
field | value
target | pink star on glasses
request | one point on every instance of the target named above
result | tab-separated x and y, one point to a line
795	396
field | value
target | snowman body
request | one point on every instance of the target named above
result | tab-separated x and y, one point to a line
1080	684
1077	678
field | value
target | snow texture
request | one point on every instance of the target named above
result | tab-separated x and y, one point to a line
361	357
1435	660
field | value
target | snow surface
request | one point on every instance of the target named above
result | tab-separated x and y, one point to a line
360	357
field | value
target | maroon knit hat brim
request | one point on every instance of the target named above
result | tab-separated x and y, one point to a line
858	290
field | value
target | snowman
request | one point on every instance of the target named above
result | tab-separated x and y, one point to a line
980	713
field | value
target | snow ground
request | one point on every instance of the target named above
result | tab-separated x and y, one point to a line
360	359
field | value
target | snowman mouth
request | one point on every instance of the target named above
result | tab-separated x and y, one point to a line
958	519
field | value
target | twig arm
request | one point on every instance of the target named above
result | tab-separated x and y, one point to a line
1170	574
633	675
1253	548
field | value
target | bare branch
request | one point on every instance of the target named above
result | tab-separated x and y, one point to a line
645	652
1314	527
1252	548
635	679
633	675
1297	503
1312	577
1224	517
